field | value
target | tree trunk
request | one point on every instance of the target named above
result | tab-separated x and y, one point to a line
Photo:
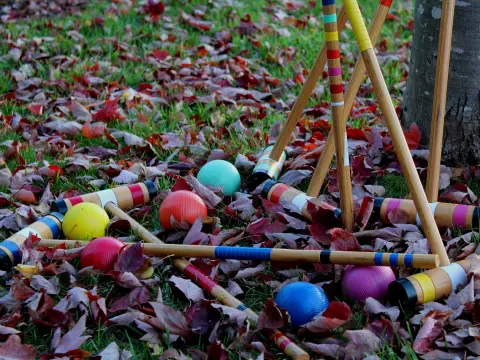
461	142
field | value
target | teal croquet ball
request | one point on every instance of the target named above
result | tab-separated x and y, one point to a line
220	173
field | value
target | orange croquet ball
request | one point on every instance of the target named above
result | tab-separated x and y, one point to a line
182	205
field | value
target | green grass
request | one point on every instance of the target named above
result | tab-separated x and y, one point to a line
99	46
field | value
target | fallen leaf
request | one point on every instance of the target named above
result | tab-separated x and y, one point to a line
188	288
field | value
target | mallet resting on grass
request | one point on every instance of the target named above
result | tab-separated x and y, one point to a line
422	261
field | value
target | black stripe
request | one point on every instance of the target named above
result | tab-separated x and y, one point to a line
402	292
325	257
475	218
5	261
377	205
266	188
152	190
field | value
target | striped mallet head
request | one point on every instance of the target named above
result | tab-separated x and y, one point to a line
48	227
266	168
125	197
432	285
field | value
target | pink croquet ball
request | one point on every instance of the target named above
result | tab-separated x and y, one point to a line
362	282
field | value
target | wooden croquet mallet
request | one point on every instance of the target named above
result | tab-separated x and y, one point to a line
358	76
337	102
418	261
304	95
440	99
396	132
218	292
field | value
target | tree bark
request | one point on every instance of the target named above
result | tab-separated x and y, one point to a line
461	142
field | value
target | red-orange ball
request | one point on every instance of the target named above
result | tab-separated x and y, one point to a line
182	205
101	253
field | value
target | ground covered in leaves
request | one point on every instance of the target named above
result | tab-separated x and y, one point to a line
97	94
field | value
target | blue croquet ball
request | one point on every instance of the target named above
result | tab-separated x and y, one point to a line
303	301
220	173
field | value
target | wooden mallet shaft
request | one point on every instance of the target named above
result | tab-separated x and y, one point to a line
440	99
218	292
304	95
396	132
358	76
418	261
337	102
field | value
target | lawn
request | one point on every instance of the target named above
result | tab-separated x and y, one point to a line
100	93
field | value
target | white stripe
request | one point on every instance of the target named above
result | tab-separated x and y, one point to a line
107	196
346	159
341	103
433	206
457	275
300	200
27	231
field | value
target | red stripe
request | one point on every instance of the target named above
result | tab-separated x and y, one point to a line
200	278
277	192
386	3
75	200
284	343
333	54
137	194
336	88
277	336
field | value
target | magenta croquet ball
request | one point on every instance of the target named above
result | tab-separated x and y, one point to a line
362	282
303	301
101	253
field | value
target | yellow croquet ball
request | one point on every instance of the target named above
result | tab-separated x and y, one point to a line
85	221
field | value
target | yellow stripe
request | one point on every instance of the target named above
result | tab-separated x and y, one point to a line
331	35
358	25
427	287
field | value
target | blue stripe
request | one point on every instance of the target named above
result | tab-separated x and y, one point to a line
242	307
242	253
329	18
328	2
394	259
378	259
52	225
408	260
14	249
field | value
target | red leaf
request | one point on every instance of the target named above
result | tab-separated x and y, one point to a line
154	8
136	297
188	288
343	240
337	314
362	343
168	318
25	196
356	134
398	216
73	339
413	137
13	349
160	54
20	291
131	259
431	329
202	317
108	112
272	317
217	351
36	109
93	131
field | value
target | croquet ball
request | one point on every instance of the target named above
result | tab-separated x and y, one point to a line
182	205
101	253
362	282
303	301
220	173
85	221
